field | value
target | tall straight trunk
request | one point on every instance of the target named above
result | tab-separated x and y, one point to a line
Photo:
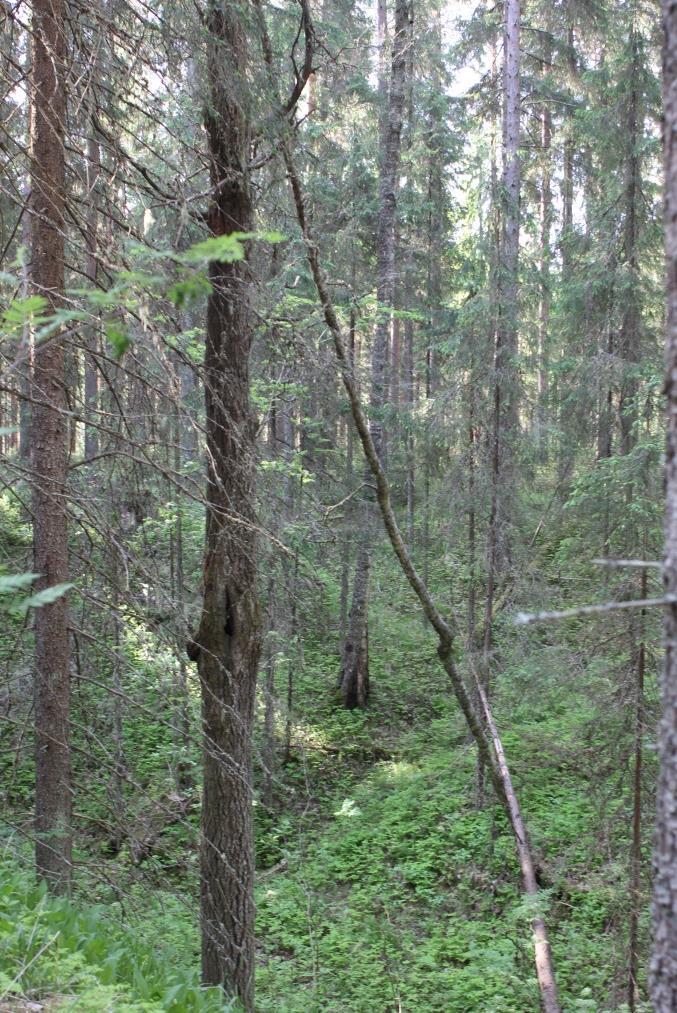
544	269
507	336
91	272
182	713
227	643
664	956
568	156
345	547
26	368
506	386
630	326
409	435
355	675
49	439
639	656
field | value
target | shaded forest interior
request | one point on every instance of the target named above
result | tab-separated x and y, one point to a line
334	576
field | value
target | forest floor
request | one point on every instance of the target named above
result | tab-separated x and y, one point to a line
385	883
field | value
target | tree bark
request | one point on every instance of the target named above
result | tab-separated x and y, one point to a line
664	956
227	643
544	270
49	440
355	658
91	272
630	326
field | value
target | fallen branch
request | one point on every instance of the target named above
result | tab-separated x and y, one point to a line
526	618
490	748
641	564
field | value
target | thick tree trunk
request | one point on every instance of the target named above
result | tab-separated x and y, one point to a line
49	439
227	644
664	957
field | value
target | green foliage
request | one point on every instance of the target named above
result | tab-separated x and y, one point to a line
18	606
52	947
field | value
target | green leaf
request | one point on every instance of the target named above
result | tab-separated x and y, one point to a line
218	249
189	290
225	249
22	311
46	597
16	582
118	339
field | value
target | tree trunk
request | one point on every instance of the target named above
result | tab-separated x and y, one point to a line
639	662
664	957
507	334
630	326
227	644
544	270
354	673
49	438
566	237
91	271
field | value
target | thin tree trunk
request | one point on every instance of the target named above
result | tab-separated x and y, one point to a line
409	435
49	439
568	168
291	664
182	716
544	271
506	331
91	271
227	644
636	852
630	326
664	956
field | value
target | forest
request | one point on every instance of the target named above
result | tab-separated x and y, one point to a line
338	506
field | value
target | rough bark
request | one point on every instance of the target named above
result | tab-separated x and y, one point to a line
638	646
506	383
664	956
630	326
566	237
227	643
49	440
91	272
544	270
354	673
